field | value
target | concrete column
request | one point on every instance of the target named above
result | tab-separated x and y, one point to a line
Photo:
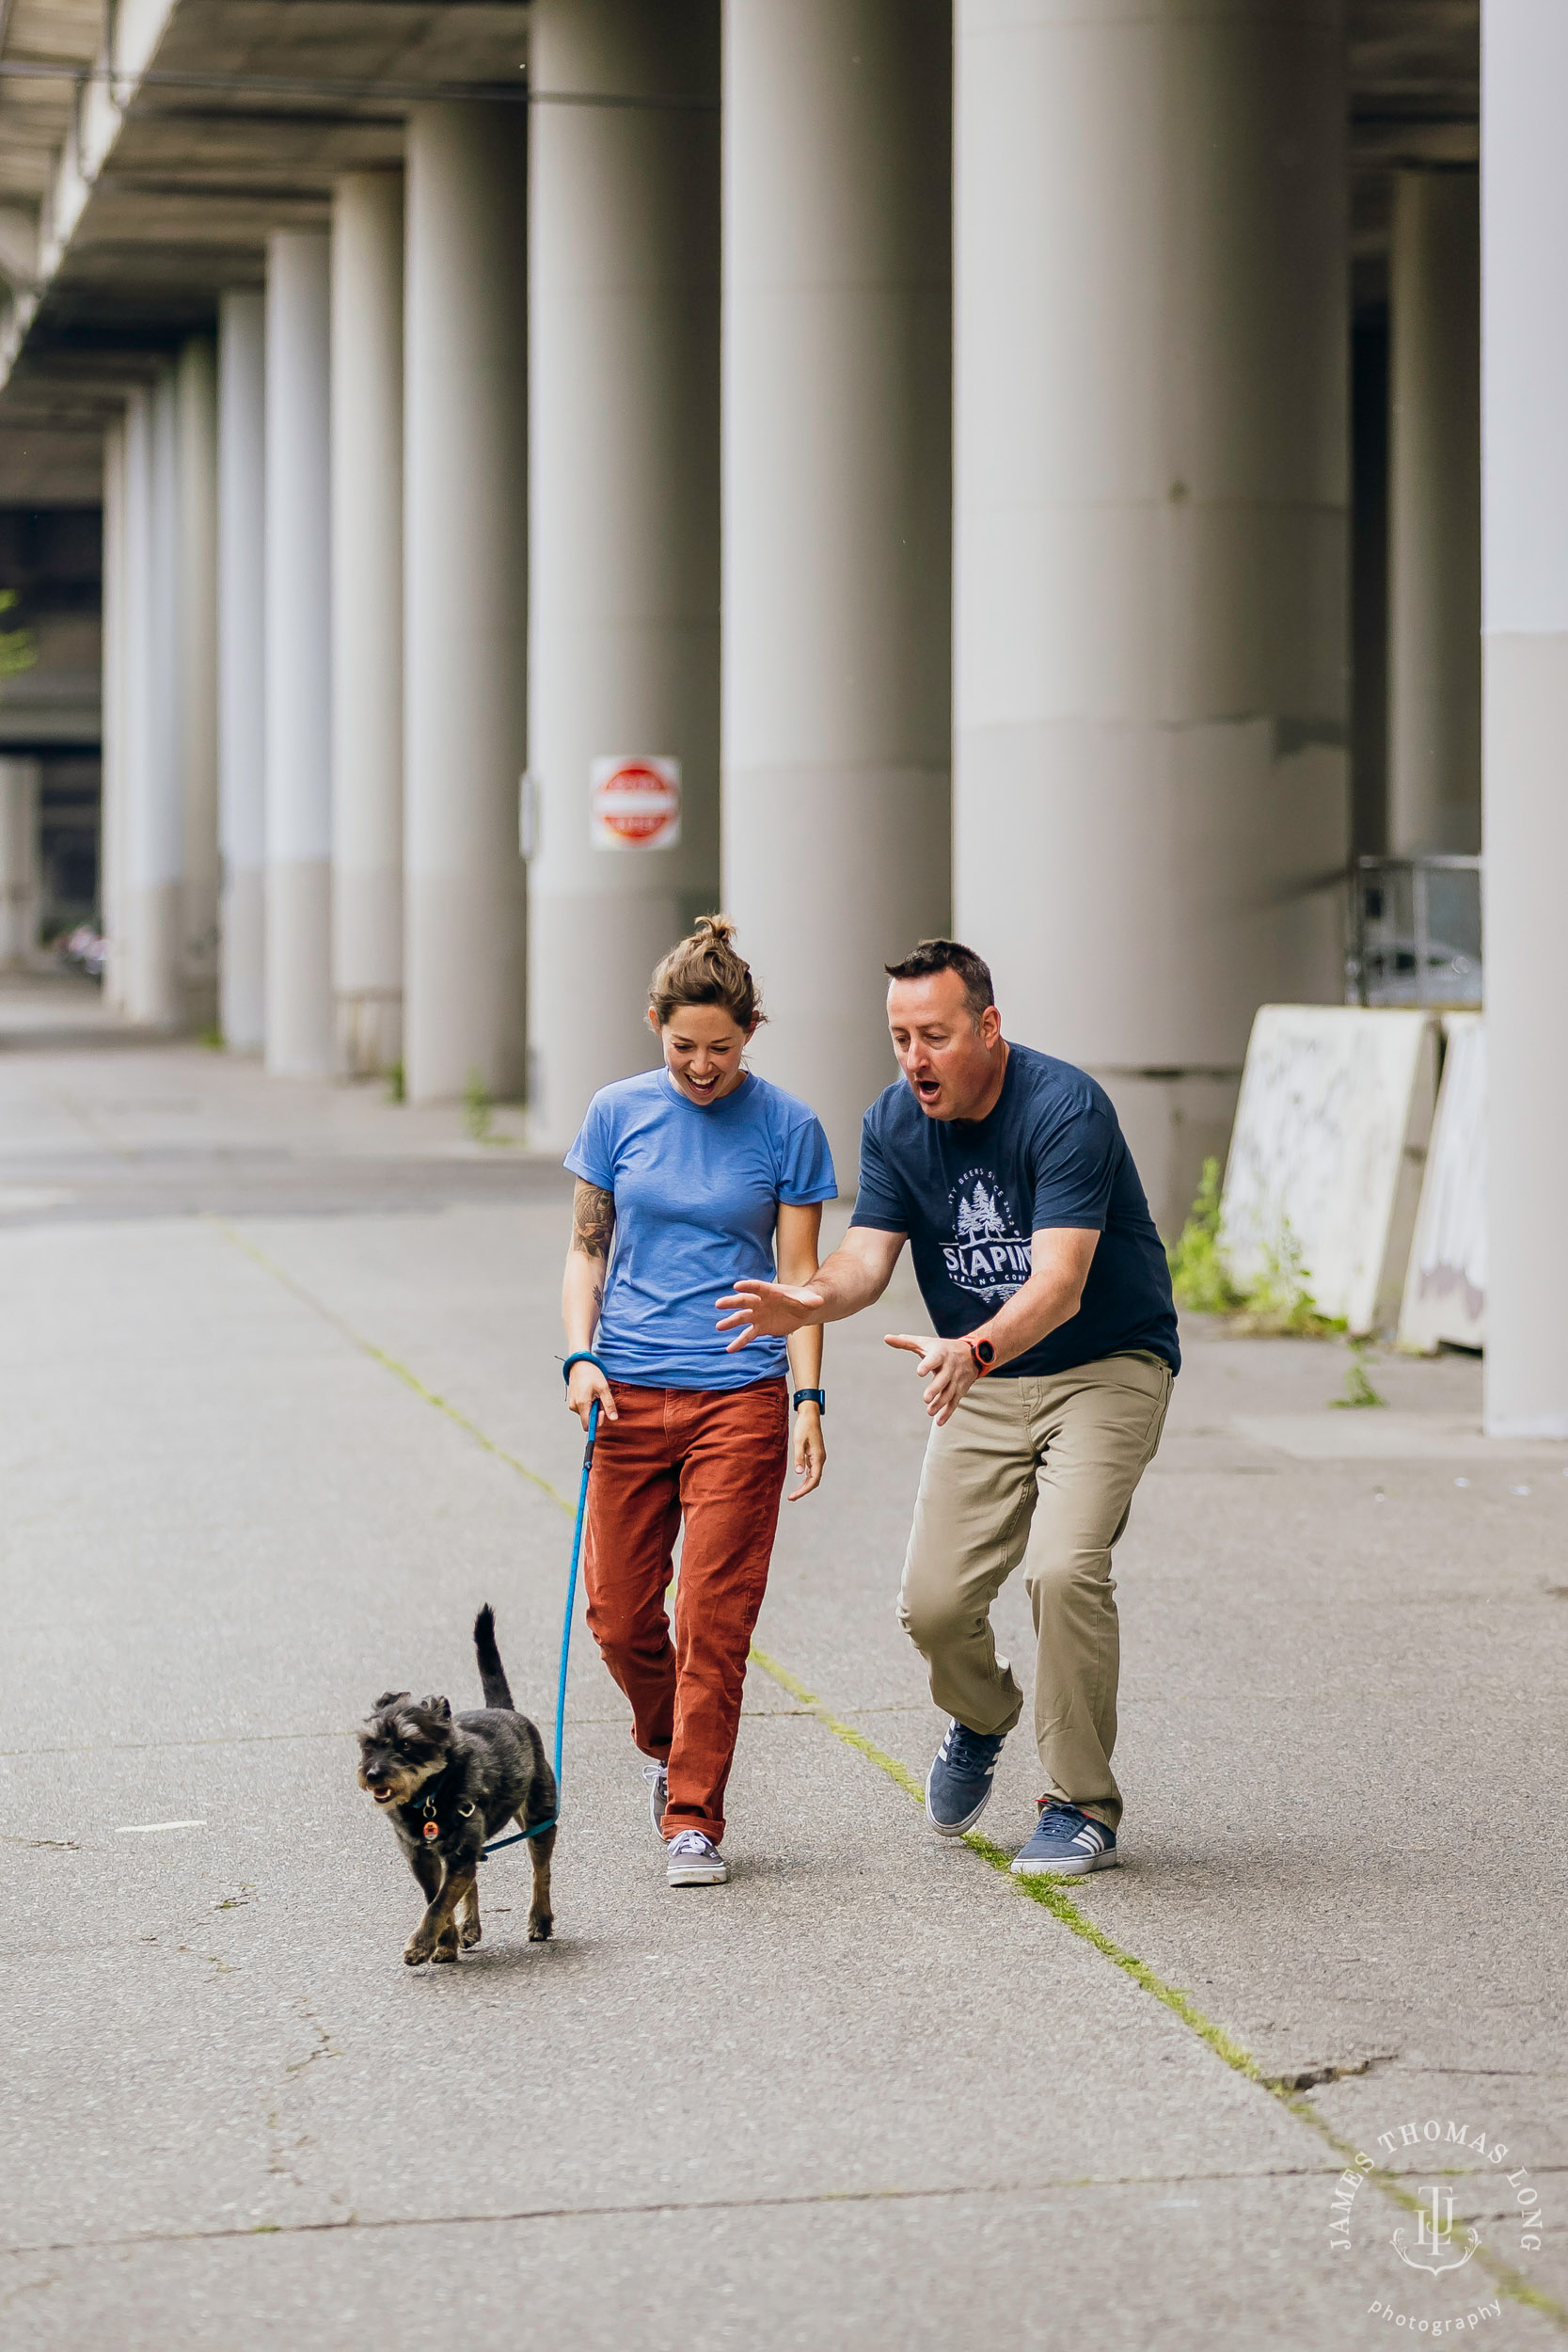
242	668
19	880
1150	796
367	619
836	503
111	820
1525	562
196	713
299	720
1368	595
465	598
624	505
154	816
1435	514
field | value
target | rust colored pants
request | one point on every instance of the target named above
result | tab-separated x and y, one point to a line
716	1458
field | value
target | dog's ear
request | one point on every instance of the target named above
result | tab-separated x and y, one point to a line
439	1710
388	1698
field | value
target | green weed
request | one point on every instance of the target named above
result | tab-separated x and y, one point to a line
396	1091
1198	1273
18	646
477	1108
1280	1301
1359	1392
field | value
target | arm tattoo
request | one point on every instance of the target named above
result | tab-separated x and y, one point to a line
593	1219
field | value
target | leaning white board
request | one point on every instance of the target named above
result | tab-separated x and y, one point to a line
1445	1289
1330	1137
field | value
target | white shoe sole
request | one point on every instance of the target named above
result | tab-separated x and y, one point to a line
1109	1860
953	1829
659	1797
697	1873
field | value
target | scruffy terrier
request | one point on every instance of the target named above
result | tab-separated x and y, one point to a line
449	1784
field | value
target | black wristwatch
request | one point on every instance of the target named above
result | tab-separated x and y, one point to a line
810	1396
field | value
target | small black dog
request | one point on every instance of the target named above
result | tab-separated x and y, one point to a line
450	1786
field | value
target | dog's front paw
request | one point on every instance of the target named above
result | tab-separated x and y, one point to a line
417	1951
541	1926
469	1934
445	1950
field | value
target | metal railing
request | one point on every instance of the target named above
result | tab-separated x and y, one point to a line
1414	932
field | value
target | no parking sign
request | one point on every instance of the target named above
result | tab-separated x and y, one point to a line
635	803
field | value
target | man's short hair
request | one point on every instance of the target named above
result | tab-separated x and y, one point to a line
948	955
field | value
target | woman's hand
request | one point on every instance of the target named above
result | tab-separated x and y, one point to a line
584	1383
952	1371
811	1452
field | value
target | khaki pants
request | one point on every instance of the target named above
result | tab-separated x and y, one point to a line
1045	1469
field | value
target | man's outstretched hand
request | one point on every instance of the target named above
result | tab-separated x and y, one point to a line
950	1369
767	1310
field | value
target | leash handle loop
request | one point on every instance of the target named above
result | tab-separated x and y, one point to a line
583	1356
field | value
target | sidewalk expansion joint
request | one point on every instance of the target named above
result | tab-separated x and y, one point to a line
1048	1892
887	2194
379	1355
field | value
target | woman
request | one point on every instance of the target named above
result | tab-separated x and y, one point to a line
698	1171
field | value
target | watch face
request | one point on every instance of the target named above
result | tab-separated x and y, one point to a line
985	1351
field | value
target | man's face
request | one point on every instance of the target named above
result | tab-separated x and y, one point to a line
947	1056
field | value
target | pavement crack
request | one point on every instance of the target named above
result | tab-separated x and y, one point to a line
1331	2071
323	2048
280	2156
28	2286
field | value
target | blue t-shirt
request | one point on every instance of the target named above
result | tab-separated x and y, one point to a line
697	1191
969	1192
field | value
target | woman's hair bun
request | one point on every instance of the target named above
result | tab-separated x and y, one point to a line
706	969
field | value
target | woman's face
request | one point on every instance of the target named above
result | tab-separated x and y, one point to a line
703	1047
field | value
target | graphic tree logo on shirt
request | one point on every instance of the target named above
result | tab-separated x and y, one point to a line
987	1256
978	1216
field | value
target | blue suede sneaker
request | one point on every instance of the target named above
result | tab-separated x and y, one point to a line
958	1786
1066	1842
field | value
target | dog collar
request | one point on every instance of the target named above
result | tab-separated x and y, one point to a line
432	1823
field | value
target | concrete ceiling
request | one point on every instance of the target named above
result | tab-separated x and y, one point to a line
1415	79
251	107
250	111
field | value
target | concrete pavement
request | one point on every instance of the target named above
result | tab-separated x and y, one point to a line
870	2094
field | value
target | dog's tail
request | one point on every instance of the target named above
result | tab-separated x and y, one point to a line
492	1673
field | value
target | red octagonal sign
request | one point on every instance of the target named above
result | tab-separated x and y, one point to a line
635	803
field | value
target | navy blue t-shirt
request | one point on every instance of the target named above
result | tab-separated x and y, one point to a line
970	1192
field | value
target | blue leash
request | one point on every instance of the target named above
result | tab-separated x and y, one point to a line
521	1837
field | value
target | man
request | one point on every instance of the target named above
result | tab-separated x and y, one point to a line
1047	1382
